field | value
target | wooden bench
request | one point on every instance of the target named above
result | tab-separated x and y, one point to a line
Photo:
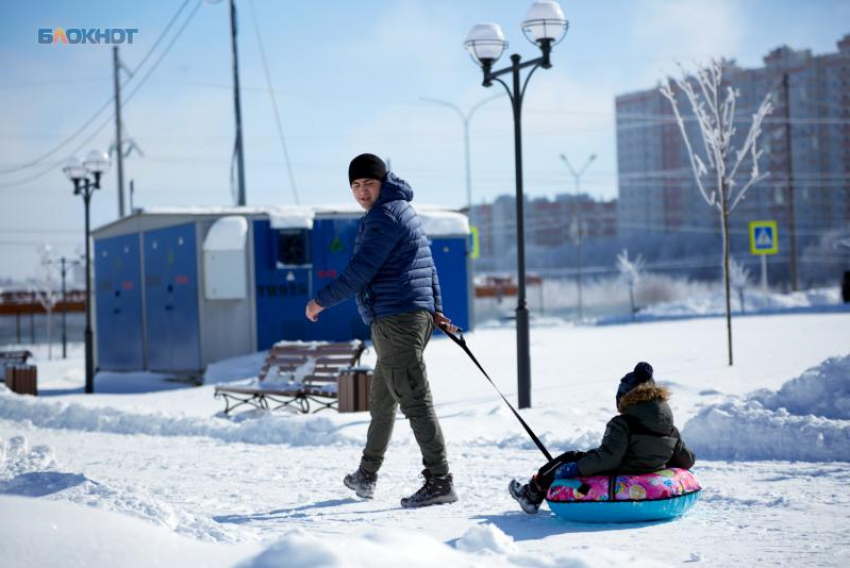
296	373
11	357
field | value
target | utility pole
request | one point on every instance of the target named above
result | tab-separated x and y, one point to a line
577	222
792	222
119	147
64	314
240	149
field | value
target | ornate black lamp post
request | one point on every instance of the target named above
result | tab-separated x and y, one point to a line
544	26
86	177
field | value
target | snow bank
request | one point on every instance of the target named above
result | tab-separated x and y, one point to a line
482	546
390	547
806	420
495	427
755	301
267	429
35	473
748	431
35	532
823	391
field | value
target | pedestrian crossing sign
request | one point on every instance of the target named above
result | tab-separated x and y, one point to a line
764	238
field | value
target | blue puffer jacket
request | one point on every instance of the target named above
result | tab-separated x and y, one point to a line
392	271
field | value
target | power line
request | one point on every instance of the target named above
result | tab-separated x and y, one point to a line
130	95
274	102
99	110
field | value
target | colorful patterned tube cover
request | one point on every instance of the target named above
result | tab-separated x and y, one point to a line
665	494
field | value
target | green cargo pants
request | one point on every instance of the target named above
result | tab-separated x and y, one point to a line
400	379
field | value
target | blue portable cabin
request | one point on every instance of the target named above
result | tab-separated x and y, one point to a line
176	289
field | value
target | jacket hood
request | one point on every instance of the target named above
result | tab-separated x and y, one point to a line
648	403
647	392
393	188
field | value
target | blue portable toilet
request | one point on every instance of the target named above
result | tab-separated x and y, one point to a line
176	289
118	300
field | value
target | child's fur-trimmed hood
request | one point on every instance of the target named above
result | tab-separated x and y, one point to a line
646	392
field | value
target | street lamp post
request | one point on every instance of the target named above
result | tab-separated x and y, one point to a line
577	222
544	26
65	265
86	178
466	117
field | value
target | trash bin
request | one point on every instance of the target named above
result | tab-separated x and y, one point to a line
22	379
845	287
353	389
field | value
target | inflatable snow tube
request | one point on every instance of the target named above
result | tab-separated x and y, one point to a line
665	494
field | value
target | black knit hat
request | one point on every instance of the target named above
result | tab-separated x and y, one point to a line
366	166
641	374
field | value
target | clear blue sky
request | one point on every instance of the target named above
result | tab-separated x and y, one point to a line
348	78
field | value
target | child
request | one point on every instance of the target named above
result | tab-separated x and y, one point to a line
641	439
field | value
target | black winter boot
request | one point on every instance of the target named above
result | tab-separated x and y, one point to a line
437	490
528	497
362	482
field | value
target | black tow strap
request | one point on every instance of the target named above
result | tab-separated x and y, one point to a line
462	343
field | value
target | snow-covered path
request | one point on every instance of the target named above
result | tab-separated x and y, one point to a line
765	512
166	459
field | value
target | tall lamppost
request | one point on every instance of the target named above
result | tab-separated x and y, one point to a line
65	265
465	117
86	178
578	224
544	26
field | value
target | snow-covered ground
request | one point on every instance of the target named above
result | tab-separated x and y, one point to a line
128	477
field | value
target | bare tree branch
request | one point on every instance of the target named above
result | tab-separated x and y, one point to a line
715	117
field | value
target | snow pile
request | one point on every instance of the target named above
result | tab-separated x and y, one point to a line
748	431
35	473
755	301
486	538
823	391
495	427
267	429
278	375
806	420
35	532
482	546
16	458
390	547
234	369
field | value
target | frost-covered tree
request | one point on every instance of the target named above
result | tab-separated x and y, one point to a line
718	167
739	278
631	272
46	289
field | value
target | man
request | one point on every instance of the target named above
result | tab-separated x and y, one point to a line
395	282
